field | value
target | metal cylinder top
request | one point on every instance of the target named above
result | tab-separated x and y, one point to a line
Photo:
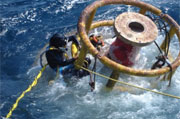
135	29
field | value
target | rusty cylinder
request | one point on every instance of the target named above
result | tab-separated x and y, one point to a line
133	31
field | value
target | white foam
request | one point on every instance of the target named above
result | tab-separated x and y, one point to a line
21	31
67	4
33	69
88	98
4	31
77	100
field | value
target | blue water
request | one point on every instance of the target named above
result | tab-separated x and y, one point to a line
26	26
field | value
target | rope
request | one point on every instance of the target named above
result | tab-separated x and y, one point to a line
24	92
146	89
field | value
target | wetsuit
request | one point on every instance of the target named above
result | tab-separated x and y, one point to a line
57	59
55	56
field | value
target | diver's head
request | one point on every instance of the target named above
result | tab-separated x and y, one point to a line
57	41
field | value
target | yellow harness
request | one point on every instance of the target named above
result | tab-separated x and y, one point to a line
54	48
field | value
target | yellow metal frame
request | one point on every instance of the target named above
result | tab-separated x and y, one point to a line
83	29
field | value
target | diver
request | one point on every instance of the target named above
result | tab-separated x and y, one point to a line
57	57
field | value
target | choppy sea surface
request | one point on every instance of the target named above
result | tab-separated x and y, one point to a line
27	25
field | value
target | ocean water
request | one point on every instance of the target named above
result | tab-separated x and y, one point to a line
27	25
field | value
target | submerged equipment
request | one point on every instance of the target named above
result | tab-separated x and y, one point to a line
86	24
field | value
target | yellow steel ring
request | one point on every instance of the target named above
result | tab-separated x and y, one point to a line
110	63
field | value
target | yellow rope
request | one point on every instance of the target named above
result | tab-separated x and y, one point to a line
146	89
24	92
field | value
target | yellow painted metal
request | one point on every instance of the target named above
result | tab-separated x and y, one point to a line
102	23
171	34
84	50
89	22
115	75
108	62
82	56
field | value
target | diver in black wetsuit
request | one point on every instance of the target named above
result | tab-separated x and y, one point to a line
56	53
57	58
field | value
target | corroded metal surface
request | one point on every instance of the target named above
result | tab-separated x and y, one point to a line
108	62
135	29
